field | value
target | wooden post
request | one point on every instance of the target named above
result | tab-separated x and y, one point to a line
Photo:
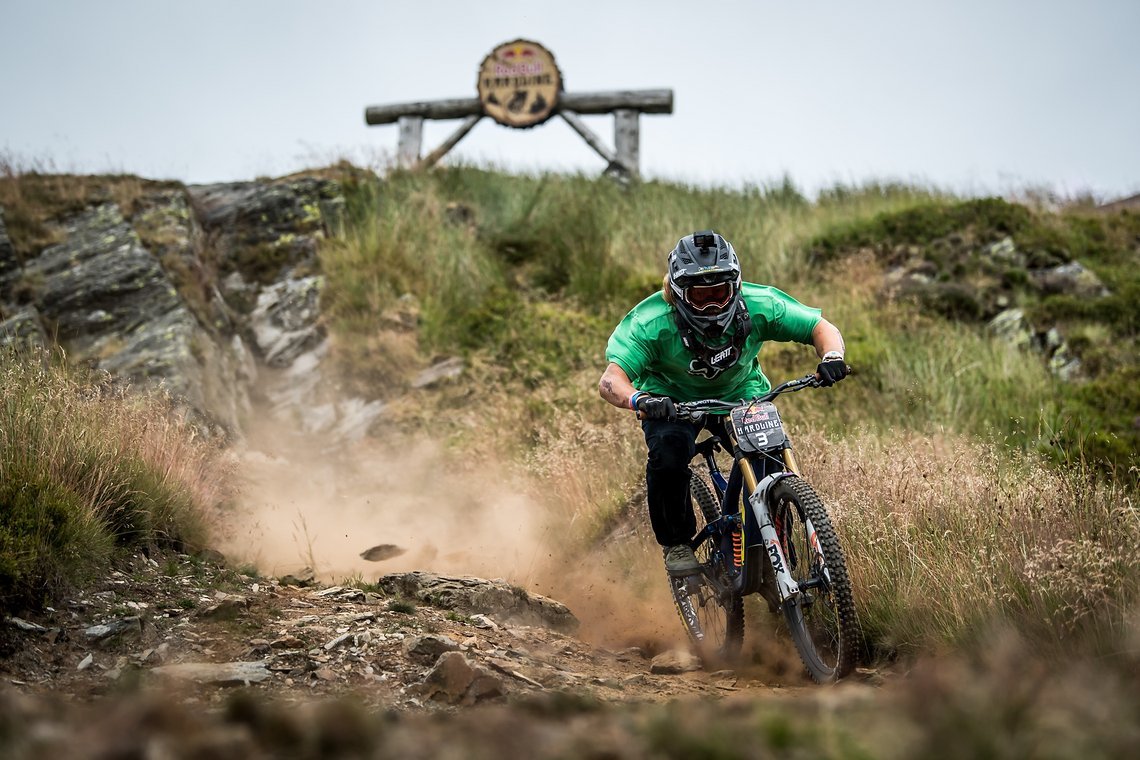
430	159
411	139
588	135
626	139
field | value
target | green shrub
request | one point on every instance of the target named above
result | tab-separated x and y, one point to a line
85	468
47	538
986	219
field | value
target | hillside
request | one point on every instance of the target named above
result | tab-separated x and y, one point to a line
294	370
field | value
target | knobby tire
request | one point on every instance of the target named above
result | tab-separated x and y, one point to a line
822	621
715	625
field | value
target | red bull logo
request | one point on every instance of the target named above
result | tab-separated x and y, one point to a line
519	83
517	52
518	61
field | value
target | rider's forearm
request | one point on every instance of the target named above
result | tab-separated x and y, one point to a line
615	386
827	339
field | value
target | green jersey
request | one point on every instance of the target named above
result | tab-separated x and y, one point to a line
647	346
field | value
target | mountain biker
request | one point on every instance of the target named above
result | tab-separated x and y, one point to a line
697	338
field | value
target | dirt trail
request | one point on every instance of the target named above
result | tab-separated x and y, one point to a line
315	641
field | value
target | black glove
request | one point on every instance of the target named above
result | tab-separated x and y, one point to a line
656	408
831	370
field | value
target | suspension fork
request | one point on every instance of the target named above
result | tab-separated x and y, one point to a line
749	473
790	460
758	500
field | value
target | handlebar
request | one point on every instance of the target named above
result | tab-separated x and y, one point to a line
695	410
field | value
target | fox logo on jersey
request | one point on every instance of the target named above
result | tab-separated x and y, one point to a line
719	362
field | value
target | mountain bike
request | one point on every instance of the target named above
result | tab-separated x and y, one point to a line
782	545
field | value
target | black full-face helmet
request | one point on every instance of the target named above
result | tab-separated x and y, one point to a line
704	277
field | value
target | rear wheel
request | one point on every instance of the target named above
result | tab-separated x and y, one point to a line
710	608
822	616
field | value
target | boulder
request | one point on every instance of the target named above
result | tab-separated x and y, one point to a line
268	229
111	303
106	631
1071	279
1004	252
1062	361
188	290
1011	326
501	601
229	608
285	321
456	681
100	280
215	673
166	225
23	329
428	647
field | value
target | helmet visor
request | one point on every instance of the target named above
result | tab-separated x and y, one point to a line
709	297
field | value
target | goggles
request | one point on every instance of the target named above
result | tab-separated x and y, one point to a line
704	298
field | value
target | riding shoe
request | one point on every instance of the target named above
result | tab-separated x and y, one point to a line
680	560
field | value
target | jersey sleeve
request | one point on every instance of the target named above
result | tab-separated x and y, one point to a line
793	322
628	347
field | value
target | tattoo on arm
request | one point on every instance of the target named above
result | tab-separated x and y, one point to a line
608	392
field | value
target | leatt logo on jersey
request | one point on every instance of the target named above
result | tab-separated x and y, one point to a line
718	358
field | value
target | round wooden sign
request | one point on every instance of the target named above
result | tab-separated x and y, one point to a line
519	84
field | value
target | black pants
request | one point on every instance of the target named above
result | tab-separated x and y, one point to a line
672	445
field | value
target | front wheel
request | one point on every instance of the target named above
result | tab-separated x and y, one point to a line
821	617
713	618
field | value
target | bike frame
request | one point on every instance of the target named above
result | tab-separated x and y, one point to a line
755	496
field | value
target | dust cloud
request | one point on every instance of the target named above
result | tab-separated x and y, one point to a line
310	502
307	502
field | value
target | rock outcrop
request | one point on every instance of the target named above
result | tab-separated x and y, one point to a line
211	291
999	276
1072	279
505	603
267	231
23	329
1013	327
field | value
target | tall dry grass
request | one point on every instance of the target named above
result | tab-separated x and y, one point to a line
85	467
36	194
947	534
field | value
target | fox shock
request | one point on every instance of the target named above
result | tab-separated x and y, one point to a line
738	547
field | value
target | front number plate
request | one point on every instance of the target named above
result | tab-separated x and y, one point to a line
758	427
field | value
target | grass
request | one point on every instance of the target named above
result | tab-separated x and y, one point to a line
1093	422
587	246
944	535
87	471
402	606
35	197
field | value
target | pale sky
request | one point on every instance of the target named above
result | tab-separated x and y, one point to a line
973	95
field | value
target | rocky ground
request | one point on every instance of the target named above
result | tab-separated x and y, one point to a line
411	641
170	643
